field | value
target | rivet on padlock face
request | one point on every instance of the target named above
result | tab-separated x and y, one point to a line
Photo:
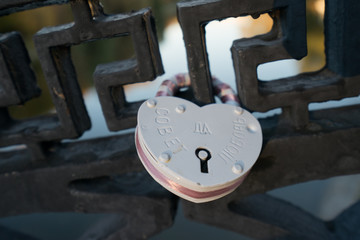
198	153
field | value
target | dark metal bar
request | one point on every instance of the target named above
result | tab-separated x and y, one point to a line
341	41
13	6
18	82
307	158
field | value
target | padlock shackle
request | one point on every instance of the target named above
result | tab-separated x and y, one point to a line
222	90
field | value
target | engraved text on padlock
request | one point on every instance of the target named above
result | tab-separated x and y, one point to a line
198	153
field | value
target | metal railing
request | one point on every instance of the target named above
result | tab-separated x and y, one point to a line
105	175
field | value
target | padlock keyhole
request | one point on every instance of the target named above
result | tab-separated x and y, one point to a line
204	156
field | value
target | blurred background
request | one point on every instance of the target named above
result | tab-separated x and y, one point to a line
324	199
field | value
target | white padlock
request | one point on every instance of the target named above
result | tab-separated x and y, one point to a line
198	153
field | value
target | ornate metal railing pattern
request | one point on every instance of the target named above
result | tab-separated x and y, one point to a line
105	175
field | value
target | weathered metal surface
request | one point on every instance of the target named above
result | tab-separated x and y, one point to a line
76	171
264	217
105	175
18	83
6	233
12	6
93	166
140	224
291	94
347	224
110	78
100	175
342	56
53	45
194	15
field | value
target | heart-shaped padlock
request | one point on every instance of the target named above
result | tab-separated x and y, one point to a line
198	153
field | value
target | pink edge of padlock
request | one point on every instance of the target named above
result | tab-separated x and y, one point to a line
194	196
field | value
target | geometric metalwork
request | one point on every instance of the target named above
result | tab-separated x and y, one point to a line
292	94
110	78
105	175
194	15
100	175
18	80
54	50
